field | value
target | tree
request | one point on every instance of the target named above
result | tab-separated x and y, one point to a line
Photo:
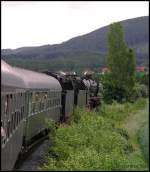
130	71
121	64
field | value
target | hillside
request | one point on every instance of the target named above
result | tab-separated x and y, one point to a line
93	44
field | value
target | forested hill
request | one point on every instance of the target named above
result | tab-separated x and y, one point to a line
93	44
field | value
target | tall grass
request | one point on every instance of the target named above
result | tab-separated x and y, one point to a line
94	142
144	140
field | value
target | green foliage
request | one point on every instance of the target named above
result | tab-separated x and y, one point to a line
142	78
139	90
69	62
117	50
121	64
93	142
144	140
112	91
114	110
52	126
130	71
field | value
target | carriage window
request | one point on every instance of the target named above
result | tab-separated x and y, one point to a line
21	97
14	101
14	117
33	97
48	94
37	97
30	96
15	120
6	104
34	107
12	122
56	102
11	103
8	128
47	104
3	133
22	112
50	103
53	103
20	115
45	96
51	94
40	105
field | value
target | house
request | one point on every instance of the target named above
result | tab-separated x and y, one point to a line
142	69
104	70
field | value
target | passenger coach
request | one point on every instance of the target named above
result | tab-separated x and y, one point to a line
43	101
12	115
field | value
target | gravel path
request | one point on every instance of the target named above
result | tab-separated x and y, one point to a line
35	159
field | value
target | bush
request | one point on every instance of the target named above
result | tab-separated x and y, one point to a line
93	142
113	91
142	78
143	137
139	90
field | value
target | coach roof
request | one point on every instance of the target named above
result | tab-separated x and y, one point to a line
10	77
37	80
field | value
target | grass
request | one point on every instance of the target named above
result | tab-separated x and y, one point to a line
144	140
99	141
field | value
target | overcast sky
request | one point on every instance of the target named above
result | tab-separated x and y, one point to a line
35	23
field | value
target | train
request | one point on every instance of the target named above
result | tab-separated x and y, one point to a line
28	98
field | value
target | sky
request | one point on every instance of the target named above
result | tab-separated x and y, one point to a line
36	23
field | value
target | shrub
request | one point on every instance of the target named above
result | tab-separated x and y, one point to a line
113	91
93	142
142	78
143	137
139	90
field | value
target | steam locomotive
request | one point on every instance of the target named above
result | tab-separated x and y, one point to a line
28	98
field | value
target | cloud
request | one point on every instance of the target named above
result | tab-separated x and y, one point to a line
31	23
